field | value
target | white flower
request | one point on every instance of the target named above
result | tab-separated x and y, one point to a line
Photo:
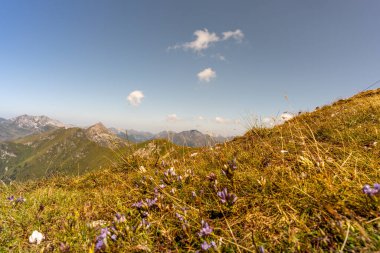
36	237
142	169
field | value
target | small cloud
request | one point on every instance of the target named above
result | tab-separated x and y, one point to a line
269	121
135	97
206	75
221	120
236	35
286	116
204	39
219	57
172	118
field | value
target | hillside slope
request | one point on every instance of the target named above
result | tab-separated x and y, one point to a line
67	151
297	187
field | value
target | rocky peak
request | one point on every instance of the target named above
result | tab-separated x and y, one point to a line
98	128
101	135
35	122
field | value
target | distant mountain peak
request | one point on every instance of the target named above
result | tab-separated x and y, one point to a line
101	135
98	127
35	122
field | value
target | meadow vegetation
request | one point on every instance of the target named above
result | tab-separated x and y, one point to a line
296	187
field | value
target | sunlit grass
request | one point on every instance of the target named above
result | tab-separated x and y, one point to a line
298	188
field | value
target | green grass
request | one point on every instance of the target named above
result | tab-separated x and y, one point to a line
299	188
62	151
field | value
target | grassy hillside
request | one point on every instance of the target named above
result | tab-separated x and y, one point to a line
63	151
295	187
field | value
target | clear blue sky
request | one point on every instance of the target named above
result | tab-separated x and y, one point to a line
77	61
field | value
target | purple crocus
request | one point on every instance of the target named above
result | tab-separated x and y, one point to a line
205	230
227	198
11	198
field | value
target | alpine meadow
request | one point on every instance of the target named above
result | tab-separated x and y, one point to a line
189	126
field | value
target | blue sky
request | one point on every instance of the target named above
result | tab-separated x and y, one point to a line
77	61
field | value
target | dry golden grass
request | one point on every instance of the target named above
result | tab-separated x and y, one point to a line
298	187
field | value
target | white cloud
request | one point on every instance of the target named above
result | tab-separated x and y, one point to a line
219	57
269	121
172	118
221	120
204	39
206	75
237	35
135	97
286	116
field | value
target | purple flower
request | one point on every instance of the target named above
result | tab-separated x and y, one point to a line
261	249
144	223
232	164
138	205
20	200
371	191
205	246
101	239
151	202
103	233
170	172
211	177
114	237
227	198
205	230
119	218
100	245
180	217
11	198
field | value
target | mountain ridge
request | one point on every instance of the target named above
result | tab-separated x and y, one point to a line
25	125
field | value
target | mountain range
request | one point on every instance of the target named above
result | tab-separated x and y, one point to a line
62	150
190	138
37	146
25	125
